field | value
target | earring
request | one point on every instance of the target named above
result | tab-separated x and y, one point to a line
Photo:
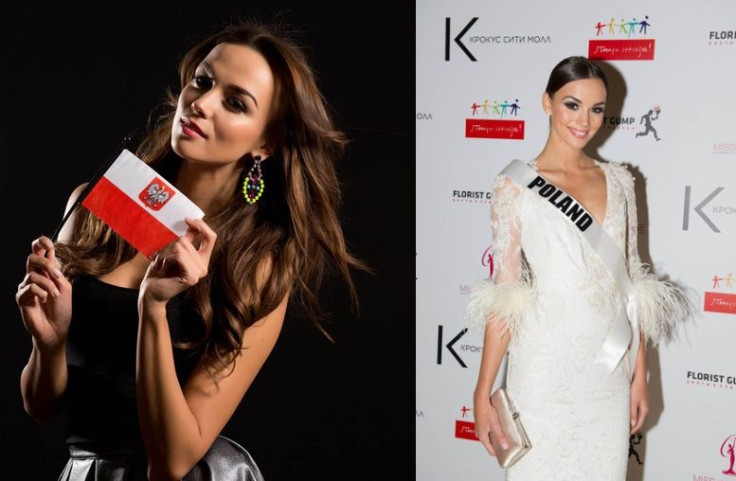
253	184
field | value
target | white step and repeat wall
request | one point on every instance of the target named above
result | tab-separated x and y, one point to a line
482	67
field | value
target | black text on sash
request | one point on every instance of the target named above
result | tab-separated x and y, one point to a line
557	197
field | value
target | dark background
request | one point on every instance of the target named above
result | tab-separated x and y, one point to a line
76	78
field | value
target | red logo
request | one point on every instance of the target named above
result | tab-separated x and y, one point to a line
494	129
613	40
721	301
465	429
156	194
727	451
621	49
501	127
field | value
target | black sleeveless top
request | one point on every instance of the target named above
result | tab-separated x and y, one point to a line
101	357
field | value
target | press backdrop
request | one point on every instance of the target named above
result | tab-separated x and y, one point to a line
671	116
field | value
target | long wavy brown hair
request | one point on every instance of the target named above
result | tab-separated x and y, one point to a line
293	230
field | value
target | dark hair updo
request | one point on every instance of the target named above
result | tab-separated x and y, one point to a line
573	68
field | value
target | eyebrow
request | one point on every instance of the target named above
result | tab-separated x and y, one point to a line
233	87
580	101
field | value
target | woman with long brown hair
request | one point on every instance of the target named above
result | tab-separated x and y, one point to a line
149	399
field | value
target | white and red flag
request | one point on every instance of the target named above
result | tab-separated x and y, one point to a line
138	204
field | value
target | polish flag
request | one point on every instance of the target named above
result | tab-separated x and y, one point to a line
138	204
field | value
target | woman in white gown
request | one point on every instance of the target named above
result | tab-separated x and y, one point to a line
551	301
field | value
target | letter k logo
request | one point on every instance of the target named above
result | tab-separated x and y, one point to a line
458	39
699	209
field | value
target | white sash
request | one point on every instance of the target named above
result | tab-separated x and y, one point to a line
620	335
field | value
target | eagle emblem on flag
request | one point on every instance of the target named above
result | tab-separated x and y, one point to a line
156	194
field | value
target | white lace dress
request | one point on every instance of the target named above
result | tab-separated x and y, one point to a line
558	300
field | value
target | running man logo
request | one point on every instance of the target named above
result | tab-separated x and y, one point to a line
626	48
458	39
635	440
647	120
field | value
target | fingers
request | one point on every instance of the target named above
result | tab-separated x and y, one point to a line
638	415
180	259
45	247
46	265
500	437
208	236
43	282
484	436
27	295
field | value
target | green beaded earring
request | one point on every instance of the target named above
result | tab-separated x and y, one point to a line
253	184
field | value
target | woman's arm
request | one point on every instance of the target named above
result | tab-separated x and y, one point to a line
495	342
44	298
499	304
179	424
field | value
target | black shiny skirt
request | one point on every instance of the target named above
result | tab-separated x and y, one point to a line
225	461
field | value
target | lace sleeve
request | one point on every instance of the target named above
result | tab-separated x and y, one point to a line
659	302
509	292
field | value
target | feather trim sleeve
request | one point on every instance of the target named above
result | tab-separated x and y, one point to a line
502	303
660	303
505	297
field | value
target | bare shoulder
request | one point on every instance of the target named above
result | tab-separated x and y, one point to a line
65	234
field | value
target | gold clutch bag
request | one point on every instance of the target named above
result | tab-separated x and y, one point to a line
516	437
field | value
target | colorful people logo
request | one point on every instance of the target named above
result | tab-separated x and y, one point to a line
624	28
717	281
727	451
500	109
647	120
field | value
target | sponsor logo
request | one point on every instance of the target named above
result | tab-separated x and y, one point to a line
453	347
156	194
647	119
710	379
459	39
486	260
424	116
724	302
724	148
727	451
721	37
634	441
700	209
643	124
465	427
472	196
622	40
502	124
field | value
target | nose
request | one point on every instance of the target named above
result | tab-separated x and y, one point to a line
204	104
584	118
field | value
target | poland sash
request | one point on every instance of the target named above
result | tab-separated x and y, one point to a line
624	332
